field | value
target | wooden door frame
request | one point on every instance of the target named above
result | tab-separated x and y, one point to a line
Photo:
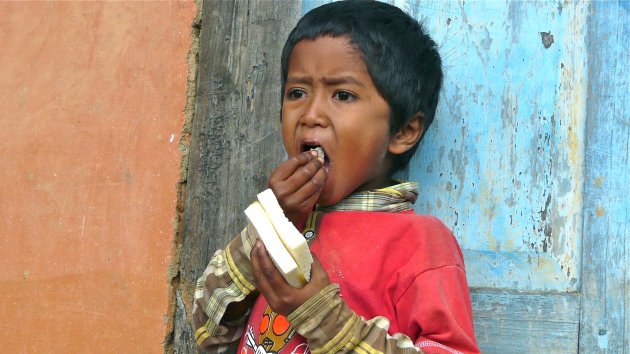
605	305
235	140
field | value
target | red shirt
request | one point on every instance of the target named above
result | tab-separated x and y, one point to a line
405	267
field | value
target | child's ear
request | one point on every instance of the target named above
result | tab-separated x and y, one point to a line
408	135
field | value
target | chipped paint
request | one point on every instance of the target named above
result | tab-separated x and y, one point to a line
602	340
547	39
505	154
503	163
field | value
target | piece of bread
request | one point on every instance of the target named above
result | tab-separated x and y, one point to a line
284	243
261	226
292	239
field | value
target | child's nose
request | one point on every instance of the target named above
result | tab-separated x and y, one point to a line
315	113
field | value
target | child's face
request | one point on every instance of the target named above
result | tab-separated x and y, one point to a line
331	101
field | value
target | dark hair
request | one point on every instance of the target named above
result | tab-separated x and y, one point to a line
401	58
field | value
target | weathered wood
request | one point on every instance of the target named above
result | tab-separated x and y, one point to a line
605	326
517	137
235	140
526	323
502	163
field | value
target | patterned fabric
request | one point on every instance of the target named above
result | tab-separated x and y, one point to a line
397	198
332	327
228	278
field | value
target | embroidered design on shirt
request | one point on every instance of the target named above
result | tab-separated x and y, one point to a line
274	333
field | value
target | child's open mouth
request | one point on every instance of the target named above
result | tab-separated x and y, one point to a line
320	153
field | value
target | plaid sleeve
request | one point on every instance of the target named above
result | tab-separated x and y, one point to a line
330	326
227	279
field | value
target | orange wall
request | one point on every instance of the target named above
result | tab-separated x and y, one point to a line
92	99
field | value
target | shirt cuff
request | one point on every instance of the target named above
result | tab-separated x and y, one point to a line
325	321
238	264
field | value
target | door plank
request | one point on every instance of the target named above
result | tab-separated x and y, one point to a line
502	164
605	323
526	323
235	140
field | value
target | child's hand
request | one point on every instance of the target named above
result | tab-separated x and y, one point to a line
297	184
282	297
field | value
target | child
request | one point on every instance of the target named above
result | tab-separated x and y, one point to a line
361	81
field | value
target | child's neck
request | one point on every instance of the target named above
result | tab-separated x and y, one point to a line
376	184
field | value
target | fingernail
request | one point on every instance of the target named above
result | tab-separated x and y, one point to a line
313	153
259	248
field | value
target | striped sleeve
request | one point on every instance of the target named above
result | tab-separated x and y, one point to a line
228	278
330	326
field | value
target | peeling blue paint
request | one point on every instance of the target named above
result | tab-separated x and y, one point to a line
502	163
509	124
528	159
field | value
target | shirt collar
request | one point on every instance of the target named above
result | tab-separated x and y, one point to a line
396	198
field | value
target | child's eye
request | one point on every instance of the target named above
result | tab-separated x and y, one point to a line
295	94
344	96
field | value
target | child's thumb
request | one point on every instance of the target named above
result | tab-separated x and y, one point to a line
319	275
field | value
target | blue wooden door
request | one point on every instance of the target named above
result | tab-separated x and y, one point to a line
527	162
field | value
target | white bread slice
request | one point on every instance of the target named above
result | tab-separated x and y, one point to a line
260	223
292	239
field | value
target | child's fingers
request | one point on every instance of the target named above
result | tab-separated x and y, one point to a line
319	277
302	184
288	168
267	277
308	194
280	295
299	204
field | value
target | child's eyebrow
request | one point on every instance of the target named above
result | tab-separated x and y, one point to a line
330	81
341	80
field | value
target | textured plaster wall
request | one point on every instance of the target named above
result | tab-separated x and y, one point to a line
92	99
